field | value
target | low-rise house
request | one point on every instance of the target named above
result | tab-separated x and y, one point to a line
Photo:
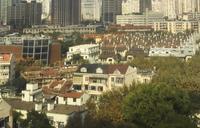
48	74
87	51
97	78
32	92
63	94
7	65
57	114
6	118
54	99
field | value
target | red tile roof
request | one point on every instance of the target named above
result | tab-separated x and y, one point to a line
72	95
121	67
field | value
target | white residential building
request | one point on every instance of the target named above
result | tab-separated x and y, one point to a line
146	19
95	79
57	114
31	93
177	26
7	65
130	6
91	10
73	98
87	51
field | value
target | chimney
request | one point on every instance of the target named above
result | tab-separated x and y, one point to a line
50	106
38	106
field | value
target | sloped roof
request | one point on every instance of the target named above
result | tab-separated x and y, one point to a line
107	68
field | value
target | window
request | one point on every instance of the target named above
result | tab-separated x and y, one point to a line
112	79
74	99
119	80
86	87
83	69
93	88
100	88
99	70
77	87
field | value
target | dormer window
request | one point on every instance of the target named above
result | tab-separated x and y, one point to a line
83	69
99	70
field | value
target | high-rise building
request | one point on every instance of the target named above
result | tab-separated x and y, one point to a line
157	5
25	14
130	6
4	4
36	49
66	12
91	10
111	8
169	8
145	5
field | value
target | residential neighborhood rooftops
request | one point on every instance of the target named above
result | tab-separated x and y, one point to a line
17	104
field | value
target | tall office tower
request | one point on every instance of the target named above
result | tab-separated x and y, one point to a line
36	48
157	5
111	8
25	14
46	4
91	10
130	6
66	12
4	4
144	5
169	8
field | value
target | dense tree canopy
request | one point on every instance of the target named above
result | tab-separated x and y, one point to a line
158	106
36	120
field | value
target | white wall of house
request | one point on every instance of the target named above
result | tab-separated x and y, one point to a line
58	119
61	100
31	92
23	112
26	96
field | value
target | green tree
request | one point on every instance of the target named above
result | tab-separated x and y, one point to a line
155	106
36	120
107	112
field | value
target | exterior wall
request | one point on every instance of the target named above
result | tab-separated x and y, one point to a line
7	72
78	101
91	10
65	12
177	26
23	112
37	49
31	92
65	30
110	81
147	19
58	120
130	6
26	96
6	118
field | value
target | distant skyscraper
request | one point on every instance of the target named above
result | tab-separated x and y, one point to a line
91	10
25	14
4	4
111	8
157	5
130	6
144	5
66	12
